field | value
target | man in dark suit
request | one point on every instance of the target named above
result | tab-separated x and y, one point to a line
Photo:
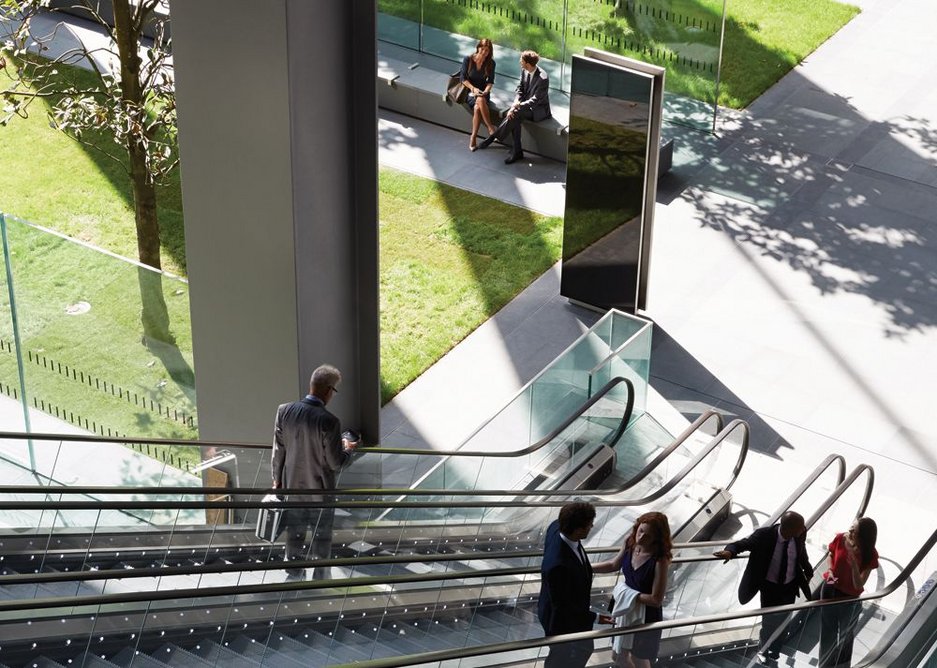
566	586
308	451
777	567
531	103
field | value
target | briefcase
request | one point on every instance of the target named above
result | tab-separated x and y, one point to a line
270	520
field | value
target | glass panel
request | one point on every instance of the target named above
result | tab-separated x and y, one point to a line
561	388
106	344
398	22
451	28
10	372
685	36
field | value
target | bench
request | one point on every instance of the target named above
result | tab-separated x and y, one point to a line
414	84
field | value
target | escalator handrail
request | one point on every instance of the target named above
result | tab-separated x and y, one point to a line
380	560
373	450
795	496
678	442
428	657
842	488
589	403
221	504
12	605
802	488
498	648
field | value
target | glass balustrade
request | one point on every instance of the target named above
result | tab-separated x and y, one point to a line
684	37
326	625
172	542
106	350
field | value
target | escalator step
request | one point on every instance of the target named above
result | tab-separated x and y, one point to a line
45	662
337	653
426	641
128	656
94	661
399	643
247	647
216	655
176	656
296	652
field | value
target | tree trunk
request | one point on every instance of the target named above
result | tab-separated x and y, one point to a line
153	312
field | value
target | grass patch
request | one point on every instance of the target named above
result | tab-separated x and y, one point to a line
764	39
449	260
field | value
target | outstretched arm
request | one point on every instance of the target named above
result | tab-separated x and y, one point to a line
610	565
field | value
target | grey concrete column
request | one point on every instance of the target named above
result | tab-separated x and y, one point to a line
278	139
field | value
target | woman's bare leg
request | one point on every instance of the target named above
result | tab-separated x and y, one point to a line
476	123
640	663
482	105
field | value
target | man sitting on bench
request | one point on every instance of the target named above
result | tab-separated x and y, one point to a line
531	103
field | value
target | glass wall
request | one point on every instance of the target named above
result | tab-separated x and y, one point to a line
684	36
92	343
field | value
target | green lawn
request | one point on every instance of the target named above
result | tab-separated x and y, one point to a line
763	38
449	260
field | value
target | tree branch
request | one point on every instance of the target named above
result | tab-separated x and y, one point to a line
100	150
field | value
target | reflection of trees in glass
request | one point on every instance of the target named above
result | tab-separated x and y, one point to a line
764	38
604	180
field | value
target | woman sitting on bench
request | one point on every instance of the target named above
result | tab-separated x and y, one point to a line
478	75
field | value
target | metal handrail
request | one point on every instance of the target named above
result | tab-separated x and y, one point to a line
166	571
370	503
677	443
498	648
605	389
717	440
629	409
841	486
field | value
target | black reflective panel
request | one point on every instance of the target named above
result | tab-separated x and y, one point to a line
609	132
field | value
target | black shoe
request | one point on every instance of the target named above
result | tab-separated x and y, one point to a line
487	142
767	660
511	159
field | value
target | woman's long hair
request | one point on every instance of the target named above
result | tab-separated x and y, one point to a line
663	545
866	535
489	62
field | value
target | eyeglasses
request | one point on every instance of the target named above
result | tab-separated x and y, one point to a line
333	388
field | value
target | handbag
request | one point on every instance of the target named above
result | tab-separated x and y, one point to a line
456	92
270	520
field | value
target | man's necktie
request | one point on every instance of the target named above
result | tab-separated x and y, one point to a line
582	555
782	571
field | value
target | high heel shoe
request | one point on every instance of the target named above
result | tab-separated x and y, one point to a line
473	145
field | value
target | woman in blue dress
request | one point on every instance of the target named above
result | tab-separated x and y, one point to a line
478	75
644	561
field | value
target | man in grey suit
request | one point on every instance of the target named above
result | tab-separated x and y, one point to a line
531	103
308	451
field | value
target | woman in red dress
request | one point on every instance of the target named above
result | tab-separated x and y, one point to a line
852	559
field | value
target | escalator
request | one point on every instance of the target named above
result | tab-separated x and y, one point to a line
406	594
903	640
